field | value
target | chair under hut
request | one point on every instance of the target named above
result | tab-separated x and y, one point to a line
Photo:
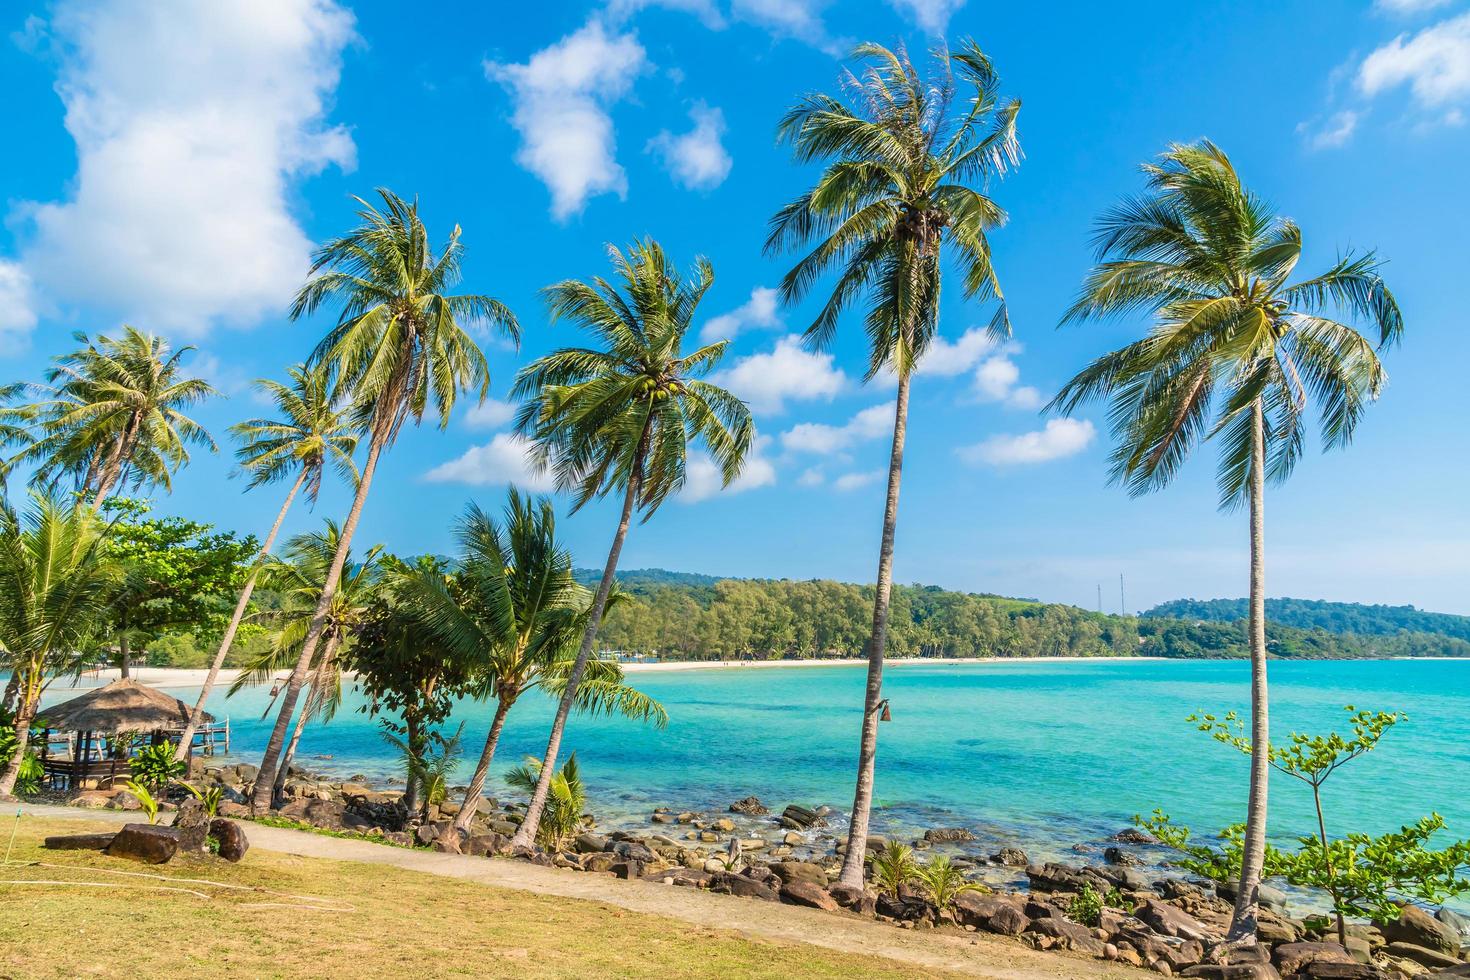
105	728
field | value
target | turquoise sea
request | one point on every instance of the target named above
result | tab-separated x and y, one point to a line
1041	754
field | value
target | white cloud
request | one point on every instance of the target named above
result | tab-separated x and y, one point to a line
696	159
801	19
1337	130
758	311
705	10
824	440
1435	63
191	123
505	459
489	414
1404	7
946	359
931	15
1059	438
811	477
702	478
854	481
17	308
996	380
561	97
788	373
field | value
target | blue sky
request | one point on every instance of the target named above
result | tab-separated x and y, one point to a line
170	164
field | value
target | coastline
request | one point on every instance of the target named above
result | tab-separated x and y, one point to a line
172	677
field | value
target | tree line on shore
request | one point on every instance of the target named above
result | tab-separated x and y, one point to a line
1334	617
1236	353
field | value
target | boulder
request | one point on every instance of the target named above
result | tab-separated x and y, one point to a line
632	850
229	808
789	871
191	825
1417	927
854	899
1232	971
78	842
724	825
1118	856
144	842
506	827
800	892
92	799
1012	857
724	883
1053	877
750	806
590	843
1294	957
601	861
1132	835
1168	920
1423	956
796	817
627	869
1068	935
1269	896
230	839
483	845
1000	914
1455	921
947	835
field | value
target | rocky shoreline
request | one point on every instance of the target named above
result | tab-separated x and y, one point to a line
1150	919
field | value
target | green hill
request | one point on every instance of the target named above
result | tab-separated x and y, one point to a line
1334	617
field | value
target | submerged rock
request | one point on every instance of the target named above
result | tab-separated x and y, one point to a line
947	835
750	806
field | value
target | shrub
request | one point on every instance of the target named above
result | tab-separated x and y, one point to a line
943	881
1086	906
155	767
145	799
893	867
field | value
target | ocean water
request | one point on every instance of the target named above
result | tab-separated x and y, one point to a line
1045	755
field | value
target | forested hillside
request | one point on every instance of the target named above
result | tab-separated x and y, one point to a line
772	619
1335	617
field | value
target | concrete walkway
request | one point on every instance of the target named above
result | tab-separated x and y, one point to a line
977	955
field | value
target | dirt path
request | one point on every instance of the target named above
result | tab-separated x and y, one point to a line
976	955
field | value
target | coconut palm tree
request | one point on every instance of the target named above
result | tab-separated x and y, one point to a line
113	416
400	350
1235	354
566	799
55	592
311	433
620	419
297	577
513	608
898	195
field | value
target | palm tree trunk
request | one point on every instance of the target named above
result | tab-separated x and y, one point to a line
525	837
260	797
124	657
1247	899
117	460
482	768
313	700
229	638
862	802
25	714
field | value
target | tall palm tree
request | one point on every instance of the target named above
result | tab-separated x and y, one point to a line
399	349
513	608
898	195
114	416
55	592
621	419
311	433
1235	353
298	577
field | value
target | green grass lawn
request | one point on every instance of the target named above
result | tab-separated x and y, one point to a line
302	917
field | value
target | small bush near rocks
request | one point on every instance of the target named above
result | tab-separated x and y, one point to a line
1086	906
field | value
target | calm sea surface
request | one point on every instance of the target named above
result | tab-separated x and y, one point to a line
1045	755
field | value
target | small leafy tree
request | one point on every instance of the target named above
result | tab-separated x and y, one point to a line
893	867
943	881
1086	906
1312	759
155	767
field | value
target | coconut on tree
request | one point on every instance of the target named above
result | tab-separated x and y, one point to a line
512	608
400	349
619	419
908	159
1236	354
310	434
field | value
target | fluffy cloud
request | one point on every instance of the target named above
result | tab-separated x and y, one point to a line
946	359
191	123
800	19
489	414
931	15
696	159
702	478
996	380
705	10
1058	439
758	311
788	373
824	440
17	308
1435	63
1335	132
505	459
561	97
854	481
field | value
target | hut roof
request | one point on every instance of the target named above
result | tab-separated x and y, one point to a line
122	706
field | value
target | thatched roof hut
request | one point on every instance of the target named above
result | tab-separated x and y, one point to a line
122	706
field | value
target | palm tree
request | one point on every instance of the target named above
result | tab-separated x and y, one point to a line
310	433
399	349
897	196
55	592
513	608
115	416
566	799
298	576
1235	353
621	419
